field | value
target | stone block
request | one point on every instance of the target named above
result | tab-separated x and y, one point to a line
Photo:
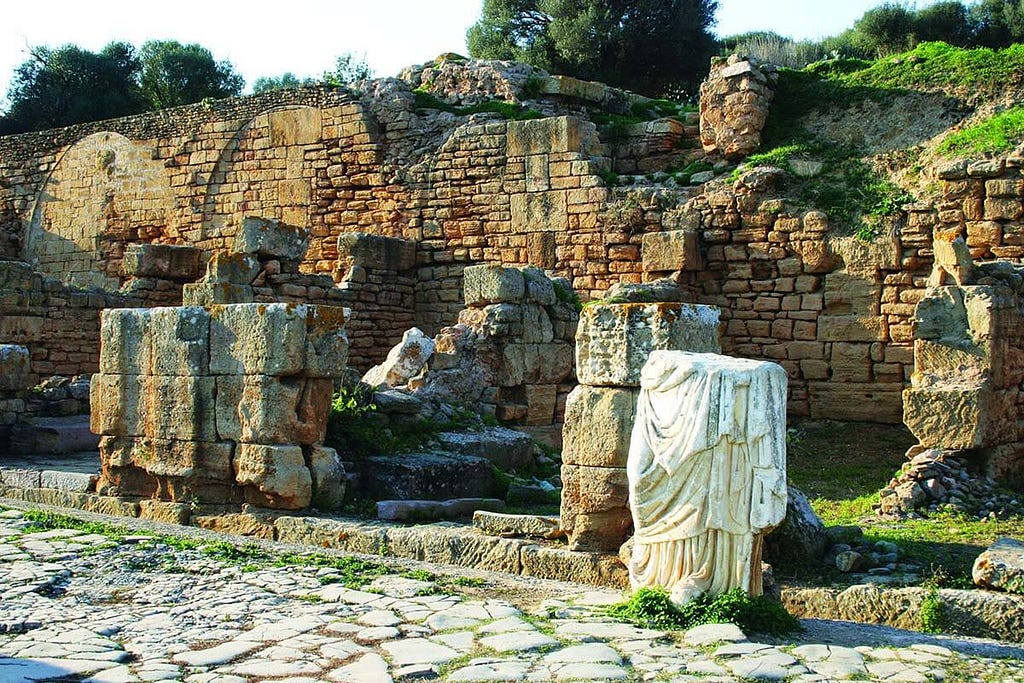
567	86
272	410
534	364
494	320
326	341
258	339
274	476
404	360
613	341
125	342
506	525
493	284
1001	566
165	512
181	408
210	293
537	327
231	267
598	424
852	328
426	476
376	251
163	261
209	461
329	478
856	402
539	287
847	294
116	405
295	126
14	367
506	449
15	275
180	340
541	401
953	417
271	239
671	251
545	136
595	507
534	212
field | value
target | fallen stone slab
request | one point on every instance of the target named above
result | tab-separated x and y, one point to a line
426	476
434	510
69	434
1001	566
505	525
507	449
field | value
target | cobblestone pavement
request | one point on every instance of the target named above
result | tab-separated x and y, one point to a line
76	605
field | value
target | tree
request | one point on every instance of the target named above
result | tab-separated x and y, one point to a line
884	30
67	85
946	21
348	69
174	74
651	46
998	23
282	82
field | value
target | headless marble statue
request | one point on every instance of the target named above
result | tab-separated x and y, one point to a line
707	472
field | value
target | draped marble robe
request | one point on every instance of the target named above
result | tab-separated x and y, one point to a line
707	472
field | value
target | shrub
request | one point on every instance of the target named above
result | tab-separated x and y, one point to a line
652	608
998	134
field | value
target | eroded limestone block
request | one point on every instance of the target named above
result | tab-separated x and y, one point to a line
671	251
613	341
505	525
14	367
506	448
376	251
125	342
272	410
494	320
180	338
328	474
326	341
271	238
210	293
164	261
116	407
534	364
170	458
595	511
258	339
427	476
544	136
1001	566
537	328
404	361
493	284
539	287
232	267
598	423
953	417
274	476
179	408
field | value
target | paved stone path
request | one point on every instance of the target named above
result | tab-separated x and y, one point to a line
90	607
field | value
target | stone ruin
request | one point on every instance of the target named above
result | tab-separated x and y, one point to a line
964	402
222	402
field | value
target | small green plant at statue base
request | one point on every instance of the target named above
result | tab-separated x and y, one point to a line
652	608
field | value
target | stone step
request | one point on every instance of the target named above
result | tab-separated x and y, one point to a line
53	435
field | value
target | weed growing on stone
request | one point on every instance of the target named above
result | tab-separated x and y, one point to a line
1000	133
41	520
506	110
933	619
652	608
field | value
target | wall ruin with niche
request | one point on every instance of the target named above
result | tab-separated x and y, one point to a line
471	189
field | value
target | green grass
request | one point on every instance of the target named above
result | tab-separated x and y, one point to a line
41	520
652	608
1000	133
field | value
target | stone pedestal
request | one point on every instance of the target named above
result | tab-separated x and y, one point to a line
219	404
613	341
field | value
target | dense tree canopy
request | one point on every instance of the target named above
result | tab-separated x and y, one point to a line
651	46
65	85
174	74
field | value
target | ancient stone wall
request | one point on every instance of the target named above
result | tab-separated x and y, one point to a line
467	189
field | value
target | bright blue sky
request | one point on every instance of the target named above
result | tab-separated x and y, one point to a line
304	36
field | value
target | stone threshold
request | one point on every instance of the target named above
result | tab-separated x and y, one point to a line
440	542
974	613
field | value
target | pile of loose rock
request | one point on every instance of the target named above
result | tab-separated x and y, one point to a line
936	479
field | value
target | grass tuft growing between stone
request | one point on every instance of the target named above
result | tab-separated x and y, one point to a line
652	608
